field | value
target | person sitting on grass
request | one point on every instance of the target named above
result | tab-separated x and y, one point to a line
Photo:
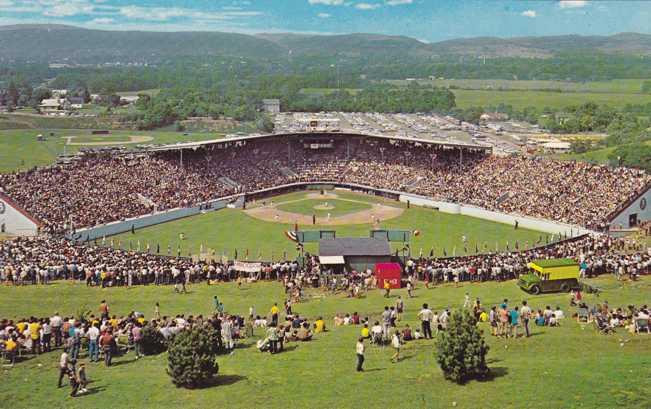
319	325
406	333
376	333
355	318
304	333
365	333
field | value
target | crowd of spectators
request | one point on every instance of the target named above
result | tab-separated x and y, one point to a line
40	260
100	188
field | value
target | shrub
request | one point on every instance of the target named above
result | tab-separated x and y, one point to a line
153	342
192	357
461	350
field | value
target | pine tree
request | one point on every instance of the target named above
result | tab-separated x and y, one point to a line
192	357
461	349
153	342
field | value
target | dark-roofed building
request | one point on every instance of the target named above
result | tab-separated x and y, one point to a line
354	253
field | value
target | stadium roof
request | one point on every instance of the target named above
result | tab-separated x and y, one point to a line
198	144
354	247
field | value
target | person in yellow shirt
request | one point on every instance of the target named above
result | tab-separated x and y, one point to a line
365	332
34	333
274	315
21	326
319	325
387	288
483	317
10	348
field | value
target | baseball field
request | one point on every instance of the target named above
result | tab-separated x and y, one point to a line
258	232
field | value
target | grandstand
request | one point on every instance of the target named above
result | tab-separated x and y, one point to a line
108	187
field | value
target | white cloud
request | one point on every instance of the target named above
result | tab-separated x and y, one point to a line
323	15
6	3
529	13
366	6
166	13
572	4
399	2
327	2
102	21
66	9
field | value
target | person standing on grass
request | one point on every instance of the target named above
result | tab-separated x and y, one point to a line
525	313
93	346
410	288
514	316
72	377
136	332
387	289
274	314
272	335
157	311
106	342
400	305
82	380
359	348
63	365
104	310
426	316
56	321
396	343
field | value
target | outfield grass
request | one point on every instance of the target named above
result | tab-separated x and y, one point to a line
310	207
567	367
19	149
225	230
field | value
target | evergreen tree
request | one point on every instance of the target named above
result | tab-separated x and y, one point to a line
461	349
153	342
192	357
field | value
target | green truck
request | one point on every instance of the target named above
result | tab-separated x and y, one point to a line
550	275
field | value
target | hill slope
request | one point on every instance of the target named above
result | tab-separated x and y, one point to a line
58	43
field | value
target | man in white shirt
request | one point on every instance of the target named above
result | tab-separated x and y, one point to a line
93	347
426	316
359	348
56	321
559	313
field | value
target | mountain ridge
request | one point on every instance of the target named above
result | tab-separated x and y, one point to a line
60	43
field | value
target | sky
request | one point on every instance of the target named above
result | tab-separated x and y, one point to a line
425	20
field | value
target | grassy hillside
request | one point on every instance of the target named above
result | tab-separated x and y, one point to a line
19	149
565	367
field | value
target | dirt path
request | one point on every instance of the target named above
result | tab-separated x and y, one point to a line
377	213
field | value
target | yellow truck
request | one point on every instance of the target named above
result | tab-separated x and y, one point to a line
551	275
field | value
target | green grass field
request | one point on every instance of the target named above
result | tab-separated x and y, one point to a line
541	99
620	86
316	206
19	149
567	367
267	240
